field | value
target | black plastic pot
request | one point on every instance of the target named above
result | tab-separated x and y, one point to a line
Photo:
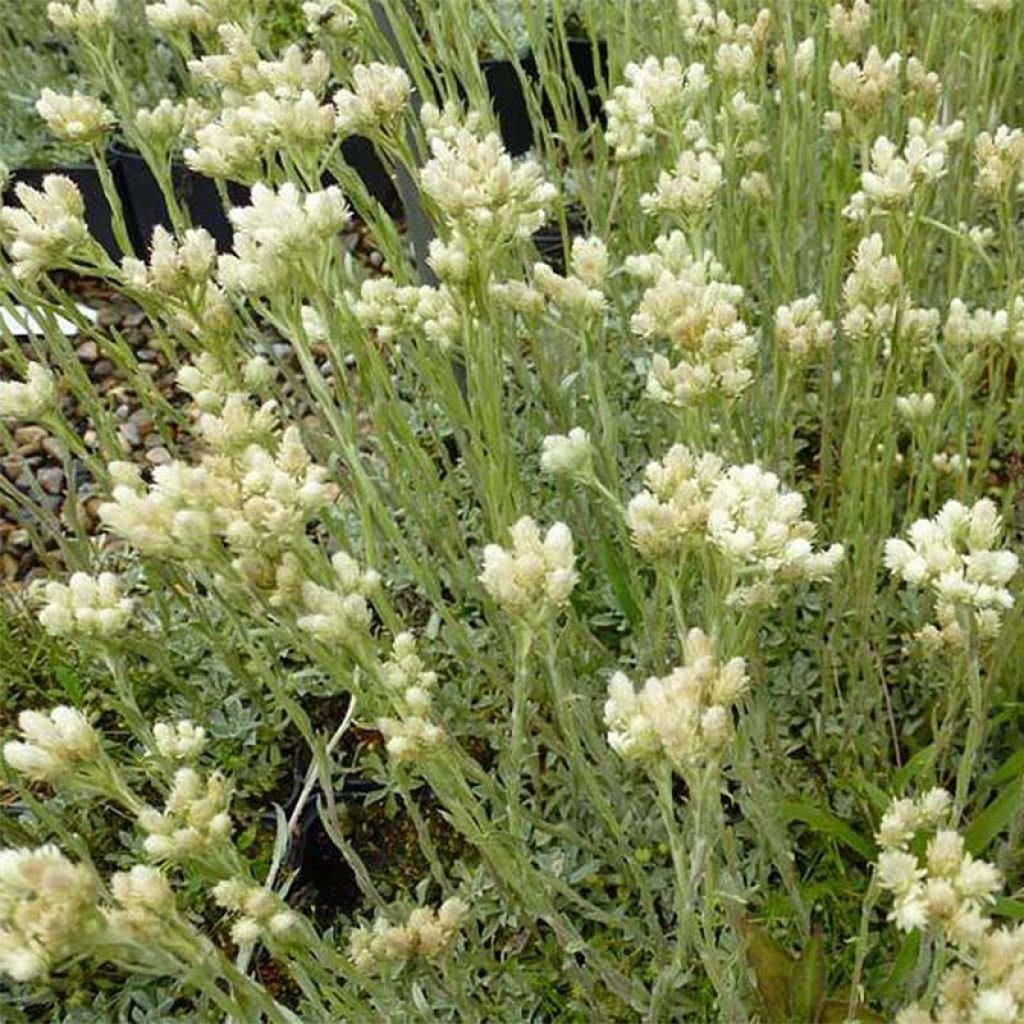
548	240
360	155
591	73
98	215
509	101
145	204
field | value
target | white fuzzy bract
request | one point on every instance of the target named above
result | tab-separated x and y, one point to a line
534	577
379	94
46	906
195	818
339	613
30	399
53	744
90	606
685	716
425	934
955	557
47	230
74	117
697	312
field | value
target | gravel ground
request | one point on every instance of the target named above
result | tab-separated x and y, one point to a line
38	465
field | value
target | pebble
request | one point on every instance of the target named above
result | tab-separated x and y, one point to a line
88	352
104	368
29	439
51	479
158	456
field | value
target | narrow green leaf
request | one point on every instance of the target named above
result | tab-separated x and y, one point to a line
808	987
827	823
917	767
994	819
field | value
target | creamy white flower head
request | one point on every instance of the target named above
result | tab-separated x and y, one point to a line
954	557
179	741
341	613
691	188
278	232
673	508
698	313
195	818
801	330
569	454
30	399
849	25
330	18
47	906
872	292
82	15
861	89
685	716
379	94
261	913
534	577
74	118
426	934
199	16
654	93
571	294
48	229
53	744
90	606
481	192
1000	160
916	408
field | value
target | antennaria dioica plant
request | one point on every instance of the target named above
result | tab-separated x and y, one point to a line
662	592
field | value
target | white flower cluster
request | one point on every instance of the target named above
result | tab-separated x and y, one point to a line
194	820
426	934
178	269
691	188
82	15
339	613
376	100
940	886
266	106
485	197
954	555
872	292
257	501
974	331
179	741
74	118
685	716
861	89
145	905
198	16
801	330
333	18
46	904
277	234
410	685
1000	160
393	310
534	577
580	292
90	606
697	312
569	454
701	22
54	744
656	95
30	399
893	179
741	511
49	228
674	506
915	408
849	25
260	912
